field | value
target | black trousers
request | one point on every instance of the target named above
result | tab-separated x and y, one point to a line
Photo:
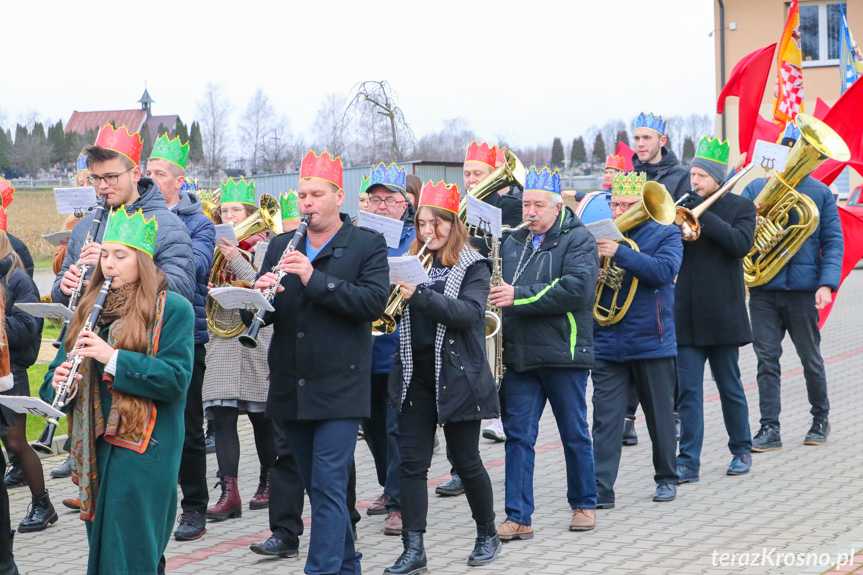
193	462
654	381
7	561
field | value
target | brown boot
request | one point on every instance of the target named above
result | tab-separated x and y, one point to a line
510	530
582	520
261	499
229	504
393	524
73	503
379	506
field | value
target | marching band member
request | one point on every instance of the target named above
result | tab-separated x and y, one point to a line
236	376
364	196
7	559
320	366
441	376
167	168
710	313
613	165
549	278
639	350
789	303
131	392
413	188
289	204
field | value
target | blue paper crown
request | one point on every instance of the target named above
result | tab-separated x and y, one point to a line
82	162
543	180
391	175
791	131
655	123
190	185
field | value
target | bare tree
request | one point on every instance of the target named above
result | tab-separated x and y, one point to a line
328	128
609	134
213	110
255	128
447	145
31	154
374	113
280	148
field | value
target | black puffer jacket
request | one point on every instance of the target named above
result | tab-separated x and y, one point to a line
551	321
668	172
23	330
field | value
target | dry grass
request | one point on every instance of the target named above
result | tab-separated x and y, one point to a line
32	214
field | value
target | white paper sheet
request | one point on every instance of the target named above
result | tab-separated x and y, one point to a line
770	156
30	405
390	228
226	231
407	269
484	216
74	200
604	229
260	253
48	310
240	298
58	238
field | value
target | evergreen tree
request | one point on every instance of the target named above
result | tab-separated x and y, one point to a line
557	153
598	151
147	141
196	144
38	131
623	136
57	139
578	155
20	133
161	131
688	151
5	150
182	131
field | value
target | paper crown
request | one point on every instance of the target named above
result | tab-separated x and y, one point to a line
82	162
628	183
439	195
500	157
189	185
364	185
615	162
171	150
121	141
481	153
712	149
234	191
791	132
133	231
6	191
391	176
290	205
323	167
543	180
655	123
626	152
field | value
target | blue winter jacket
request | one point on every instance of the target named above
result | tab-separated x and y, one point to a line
647	330
203	235
384	347
819	260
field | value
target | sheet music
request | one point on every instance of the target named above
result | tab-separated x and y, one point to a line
226	231
484	216
240	298
770	156
260	253
46	310
604	229
30	406
75	200
58	238
407	269
390	228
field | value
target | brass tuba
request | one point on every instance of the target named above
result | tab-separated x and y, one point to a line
396	302
510	172
656	204
779	235
227	323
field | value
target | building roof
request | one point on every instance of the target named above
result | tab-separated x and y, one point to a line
154	121
80	122
146	99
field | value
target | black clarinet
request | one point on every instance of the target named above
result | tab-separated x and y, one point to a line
98	219
43	444
250	338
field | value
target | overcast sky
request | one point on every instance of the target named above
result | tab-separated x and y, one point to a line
529	70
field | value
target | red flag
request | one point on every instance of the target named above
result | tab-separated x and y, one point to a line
830	170
747	81
821	108
627	153
845	118
852	234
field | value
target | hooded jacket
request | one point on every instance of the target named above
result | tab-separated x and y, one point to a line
173	253
203	235
668	172
550	323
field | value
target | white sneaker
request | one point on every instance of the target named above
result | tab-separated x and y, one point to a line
494	431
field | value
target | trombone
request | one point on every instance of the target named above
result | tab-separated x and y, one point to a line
688	220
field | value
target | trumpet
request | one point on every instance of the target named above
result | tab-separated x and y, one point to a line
688	220
43	444
396	302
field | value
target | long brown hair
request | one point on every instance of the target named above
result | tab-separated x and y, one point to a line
455	242
6	251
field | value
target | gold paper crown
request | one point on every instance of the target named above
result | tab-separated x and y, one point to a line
628	184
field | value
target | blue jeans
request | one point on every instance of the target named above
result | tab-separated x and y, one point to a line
382	437
526	394
735	411
323	450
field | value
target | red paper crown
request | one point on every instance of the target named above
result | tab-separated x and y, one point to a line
481	153
6	192
4	215
440	195
499	158
121	141
616	162
323	167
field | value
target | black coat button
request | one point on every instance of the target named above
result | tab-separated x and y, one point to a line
301	383
300	335
331	286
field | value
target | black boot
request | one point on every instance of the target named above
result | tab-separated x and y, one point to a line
487	545
413	559
39	515
14	477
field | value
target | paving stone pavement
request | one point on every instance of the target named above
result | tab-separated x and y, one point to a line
800	500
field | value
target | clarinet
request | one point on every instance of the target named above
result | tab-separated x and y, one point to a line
76	291
43	444
250	338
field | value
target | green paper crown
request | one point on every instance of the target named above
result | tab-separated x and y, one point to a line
713	149
628	184
290	205
242	191
133	231
171	150
364	185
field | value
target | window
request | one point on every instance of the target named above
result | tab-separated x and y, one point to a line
820	31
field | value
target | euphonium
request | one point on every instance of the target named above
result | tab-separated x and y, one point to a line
227	323
510	172
396	303
688	220
656	204
778	235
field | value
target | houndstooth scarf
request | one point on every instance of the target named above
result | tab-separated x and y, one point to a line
466	258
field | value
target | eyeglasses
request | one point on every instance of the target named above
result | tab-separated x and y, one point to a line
622	205
111	180
389	201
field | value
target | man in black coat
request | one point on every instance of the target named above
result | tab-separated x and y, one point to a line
710	313
336	285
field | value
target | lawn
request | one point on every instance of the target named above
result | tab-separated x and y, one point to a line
35	425
32	214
